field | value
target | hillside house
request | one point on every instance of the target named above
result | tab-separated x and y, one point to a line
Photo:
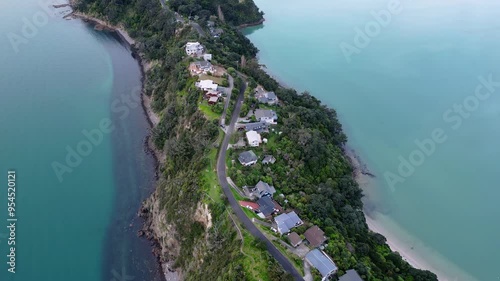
247	158
285	222
322	263
266	115
194	49
254	138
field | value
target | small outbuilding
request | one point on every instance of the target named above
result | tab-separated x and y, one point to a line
247	158
294	239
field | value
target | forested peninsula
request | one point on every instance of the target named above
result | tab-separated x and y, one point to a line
198	236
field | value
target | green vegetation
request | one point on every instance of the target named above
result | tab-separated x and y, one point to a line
311	169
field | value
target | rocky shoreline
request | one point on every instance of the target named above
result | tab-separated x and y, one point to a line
153	119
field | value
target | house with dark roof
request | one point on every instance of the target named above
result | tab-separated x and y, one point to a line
350	275
285	222
294	239
322	263
268	159
315	236
263	189
266	115
259	127
247	158
266	206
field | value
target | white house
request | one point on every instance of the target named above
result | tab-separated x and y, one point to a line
253	138
194	49
207	57
206	85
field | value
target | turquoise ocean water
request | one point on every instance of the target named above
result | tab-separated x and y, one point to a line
413	78
58	78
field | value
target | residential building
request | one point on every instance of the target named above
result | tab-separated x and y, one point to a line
206	85
268	159
207	57
263	189
247	158
213	100
294	239
194	49
350	275
256	126
212	93
285	222
266	206
315	236
265	97
249	205
266	115
199	67
322	263
253	138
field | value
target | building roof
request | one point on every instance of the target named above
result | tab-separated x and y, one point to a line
265	113
268	159
253	137
247	157
285	222
203	64
271	96
321	262
315	236
350	275
256	126
250	205
266	205
206	84
213	99
190	44
264	188
294	239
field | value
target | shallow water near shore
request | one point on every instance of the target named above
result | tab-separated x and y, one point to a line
65	78
394	91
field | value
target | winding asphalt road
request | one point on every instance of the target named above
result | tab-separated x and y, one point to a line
221	174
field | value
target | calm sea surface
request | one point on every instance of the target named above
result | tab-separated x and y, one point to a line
409	93
72	130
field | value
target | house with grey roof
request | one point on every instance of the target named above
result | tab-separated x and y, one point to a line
247	158
266	115
285	222
199	67
266	206
322	263
268	159
259	127
350	275
262	189
265	97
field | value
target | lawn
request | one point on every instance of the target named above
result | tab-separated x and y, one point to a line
217	80
207	110
210	173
